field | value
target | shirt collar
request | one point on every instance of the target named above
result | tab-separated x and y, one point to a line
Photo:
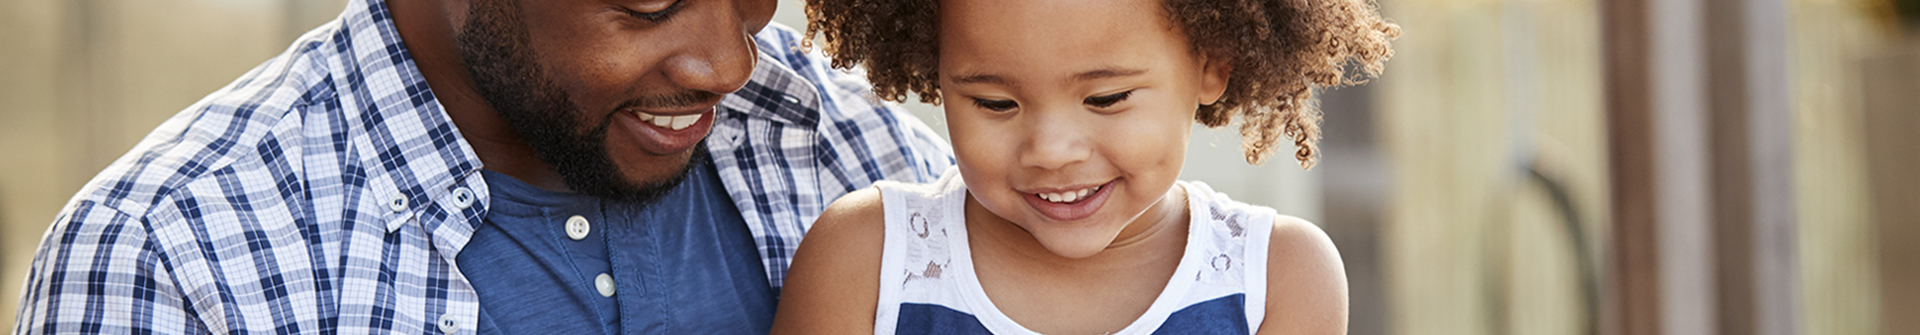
410	147
418	153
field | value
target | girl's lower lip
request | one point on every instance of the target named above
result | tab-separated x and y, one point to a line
664	141
1070	211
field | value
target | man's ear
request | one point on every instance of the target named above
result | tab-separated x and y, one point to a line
1214	75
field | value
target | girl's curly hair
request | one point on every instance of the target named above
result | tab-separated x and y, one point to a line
1281	51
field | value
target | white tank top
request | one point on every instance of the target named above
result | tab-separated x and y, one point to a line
928	286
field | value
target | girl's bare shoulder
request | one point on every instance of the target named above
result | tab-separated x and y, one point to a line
834	283
1306	283
852	229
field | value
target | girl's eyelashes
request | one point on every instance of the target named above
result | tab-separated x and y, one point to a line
995	105
1103	101
1107	100
656	16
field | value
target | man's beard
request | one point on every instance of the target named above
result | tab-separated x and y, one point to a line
494	45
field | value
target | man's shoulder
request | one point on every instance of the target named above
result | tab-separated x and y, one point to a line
848	110
193	171
785	45
247	136
845	92
847	98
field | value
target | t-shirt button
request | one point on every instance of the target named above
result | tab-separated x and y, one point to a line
577	228
447	325
604	282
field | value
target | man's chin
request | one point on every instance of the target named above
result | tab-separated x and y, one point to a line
656	177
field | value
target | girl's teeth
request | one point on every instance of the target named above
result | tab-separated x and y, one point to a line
1068	196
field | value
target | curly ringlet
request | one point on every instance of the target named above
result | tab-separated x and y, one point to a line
1281	51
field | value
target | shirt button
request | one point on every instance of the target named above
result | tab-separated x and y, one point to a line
604	282
462	197
399	203
577	228
447	325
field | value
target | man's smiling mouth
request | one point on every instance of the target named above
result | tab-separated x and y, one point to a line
674	122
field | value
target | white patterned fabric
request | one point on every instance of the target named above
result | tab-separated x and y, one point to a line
928	284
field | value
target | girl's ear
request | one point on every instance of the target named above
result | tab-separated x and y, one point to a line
1213	79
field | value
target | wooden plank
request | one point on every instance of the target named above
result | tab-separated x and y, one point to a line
1751	161
1893	167
1632	272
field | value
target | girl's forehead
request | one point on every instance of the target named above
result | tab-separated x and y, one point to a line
1053	39
1053	20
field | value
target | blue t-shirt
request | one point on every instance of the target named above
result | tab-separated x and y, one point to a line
683	265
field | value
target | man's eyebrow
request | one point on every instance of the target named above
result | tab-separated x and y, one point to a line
1107	73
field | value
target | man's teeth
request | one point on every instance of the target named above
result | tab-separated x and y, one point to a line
1068	196
670	122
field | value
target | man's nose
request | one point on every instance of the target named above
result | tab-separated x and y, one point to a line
720	60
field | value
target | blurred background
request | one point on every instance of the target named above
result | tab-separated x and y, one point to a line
1523	167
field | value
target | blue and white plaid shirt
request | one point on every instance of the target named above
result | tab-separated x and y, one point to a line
327	192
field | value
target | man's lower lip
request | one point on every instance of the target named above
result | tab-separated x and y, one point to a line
667	141
1071	211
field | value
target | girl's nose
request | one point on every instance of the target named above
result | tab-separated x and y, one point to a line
1055	141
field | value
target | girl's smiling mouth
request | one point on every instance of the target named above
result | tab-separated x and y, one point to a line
1070	204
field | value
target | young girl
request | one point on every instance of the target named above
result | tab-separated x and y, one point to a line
1069	119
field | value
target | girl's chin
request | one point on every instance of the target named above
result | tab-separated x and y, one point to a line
1075	243
1075	251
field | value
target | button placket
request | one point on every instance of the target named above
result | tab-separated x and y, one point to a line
604	282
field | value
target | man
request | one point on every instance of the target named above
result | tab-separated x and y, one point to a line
489	166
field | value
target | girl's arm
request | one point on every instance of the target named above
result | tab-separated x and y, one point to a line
834	283
1306	283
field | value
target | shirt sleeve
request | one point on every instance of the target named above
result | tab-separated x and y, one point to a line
98	271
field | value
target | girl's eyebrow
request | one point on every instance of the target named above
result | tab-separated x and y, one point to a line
980	78
1104	73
